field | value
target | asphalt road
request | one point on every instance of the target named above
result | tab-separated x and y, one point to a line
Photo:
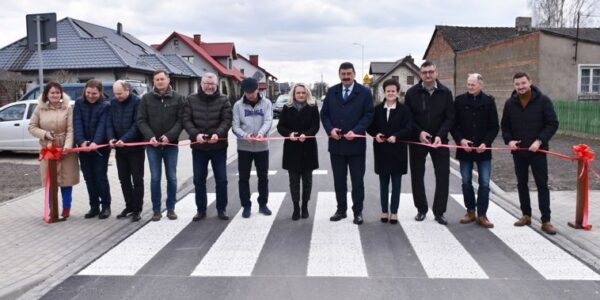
277	258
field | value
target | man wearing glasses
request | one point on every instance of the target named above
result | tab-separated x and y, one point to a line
432	109
207	119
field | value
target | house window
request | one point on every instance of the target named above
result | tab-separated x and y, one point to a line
242	71
229	63
176	42
410	80
189	58
589	78
396	78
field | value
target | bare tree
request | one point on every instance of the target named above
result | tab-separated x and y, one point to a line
13	83
62	76
563	13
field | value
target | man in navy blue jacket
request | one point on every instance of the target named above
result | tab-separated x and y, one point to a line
347	111
121	128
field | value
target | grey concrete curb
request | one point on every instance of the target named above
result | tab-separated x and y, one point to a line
569	244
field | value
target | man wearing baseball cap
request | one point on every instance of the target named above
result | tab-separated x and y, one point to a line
252	117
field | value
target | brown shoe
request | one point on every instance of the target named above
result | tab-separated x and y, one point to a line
548	228
171	215
469	217
156	216
484	222
524	220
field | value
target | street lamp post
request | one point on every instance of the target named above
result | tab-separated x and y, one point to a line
362	55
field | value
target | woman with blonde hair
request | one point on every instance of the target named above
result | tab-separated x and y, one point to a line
52	123
299	119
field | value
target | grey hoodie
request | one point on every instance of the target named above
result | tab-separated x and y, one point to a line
252	120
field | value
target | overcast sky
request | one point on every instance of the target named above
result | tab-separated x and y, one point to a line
295	40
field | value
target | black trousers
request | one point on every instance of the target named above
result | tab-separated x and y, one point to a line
441	165
340	165
130	167
261	163
539	168
295	177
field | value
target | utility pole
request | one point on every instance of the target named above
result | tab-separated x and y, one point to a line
362	55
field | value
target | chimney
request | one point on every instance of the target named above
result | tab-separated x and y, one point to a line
119	28
253	59
523	25
197	39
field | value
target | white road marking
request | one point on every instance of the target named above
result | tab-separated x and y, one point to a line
253	173
128	257
320	172
549	260
335	247
237	249
440	253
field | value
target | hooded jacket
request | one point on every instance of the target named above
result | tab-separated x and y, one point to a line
252	119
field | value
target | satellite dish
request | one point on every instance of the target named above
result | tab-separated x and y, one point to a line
258	75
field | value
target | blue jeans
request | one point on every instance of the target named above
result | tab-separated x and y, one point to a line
67	196
484	169
156	155
218	160
94	166
384	182
261	163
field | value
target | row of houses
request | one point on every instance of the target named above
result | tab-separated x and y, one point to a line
563	62
85	50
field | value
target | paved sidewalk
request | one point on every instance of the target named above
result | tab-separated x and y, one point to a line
583	244
36	256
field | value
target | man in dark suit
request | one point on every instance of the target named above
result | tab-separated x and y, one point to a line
347	111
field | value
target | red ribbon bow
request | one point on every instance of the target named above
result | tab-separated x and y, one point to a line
51	153
584	153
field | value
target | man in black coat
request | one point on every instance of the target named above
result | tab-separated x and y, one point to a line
207	119
347	111
529	122
432	108
122	128
476	125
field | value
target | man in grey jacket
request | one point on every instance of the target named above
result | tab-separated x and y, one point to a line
159	121
252	117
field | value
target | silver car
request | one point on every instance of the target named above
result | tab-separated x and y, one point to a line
14	122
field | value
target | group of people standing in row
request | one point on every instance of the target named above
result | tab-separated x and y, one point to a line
425	118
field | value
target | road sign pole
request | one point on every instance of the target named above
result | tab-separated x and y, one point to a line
38	20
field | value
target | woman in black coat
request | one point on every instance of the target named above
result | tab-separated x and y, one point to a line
299	119
391	123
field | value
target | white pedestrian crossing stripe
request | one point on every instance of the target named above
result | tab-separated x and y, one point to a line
132	254
549	260
336	248
253	173
440	253
236	251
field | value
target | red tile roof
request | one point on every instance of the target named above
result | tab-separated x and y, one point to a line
220	49
222	70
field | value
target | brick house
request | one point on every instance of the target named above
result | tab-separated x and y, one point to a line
85	51
563	62
404	70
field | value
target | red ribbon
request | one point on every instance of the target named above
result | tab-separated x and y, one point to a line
585	155
49	153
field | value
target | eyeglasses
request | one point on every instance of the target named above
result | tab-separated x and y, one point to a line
428	72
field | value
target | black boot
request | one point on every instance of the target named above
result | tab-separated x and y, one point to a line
304	209
296	213
94	212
